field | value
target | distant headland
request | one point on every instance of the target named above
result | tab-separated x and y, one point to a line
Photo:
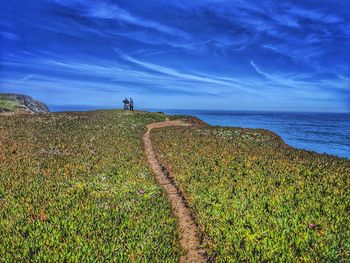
19	103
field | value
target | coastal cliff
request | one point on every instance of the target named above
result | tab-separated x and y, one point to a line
18	103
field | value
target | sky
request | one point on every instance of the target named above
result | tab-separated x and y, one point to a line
179	54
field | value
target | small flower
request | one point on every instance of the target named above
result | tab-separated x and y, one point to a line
311	226
141	191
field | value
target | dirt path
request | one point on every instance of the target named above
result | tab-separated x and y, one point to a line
188	231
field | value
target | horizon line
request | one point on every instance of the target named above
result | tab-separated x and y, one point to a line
112	107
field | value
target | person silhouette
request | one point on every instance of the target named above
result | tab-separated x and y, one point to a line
131	104
126	104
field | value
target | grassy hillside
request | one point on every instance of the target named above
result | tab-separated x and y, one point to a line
255	198
77	187
8	104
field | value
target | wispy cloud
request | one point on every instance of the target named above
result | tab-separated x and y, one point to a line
305	53
238	52
28	77
185	76
10	36
113	11
317	15
106	10
257	69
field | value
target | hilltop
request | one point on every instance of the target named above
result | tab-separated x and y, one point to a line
84	186
19	103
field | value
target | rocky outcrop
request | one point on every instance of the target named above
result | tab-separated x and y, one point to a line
10	102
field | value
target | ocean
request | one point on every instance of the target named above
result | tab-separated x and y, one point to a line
319	132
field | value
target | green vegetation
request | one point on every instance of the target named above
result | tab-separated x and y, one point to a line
188	119
76	187
8	104
257	199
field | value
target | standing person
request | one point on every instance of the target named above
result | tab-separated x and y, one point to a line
131	104
126	104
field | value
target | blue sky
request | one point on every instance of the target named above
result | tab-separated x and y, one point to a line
199	54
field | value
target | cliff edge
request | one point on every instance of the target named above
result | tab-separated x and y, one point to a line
18	103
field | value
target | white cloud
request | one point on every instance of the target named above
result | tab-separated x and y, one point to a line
257	69
113	11
106	10
180	75
28	77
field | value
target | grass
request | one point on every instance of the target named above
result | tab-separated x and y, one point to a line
76	187
8	104
257	199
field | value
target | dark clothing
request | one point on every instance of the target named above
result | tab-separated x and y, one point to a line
131	104
126	104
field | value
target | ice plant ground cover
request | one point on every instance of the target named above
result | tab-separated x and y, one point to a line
257	199
77	187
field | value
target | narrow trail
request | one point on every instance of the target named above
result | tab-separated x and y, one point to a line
189	240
